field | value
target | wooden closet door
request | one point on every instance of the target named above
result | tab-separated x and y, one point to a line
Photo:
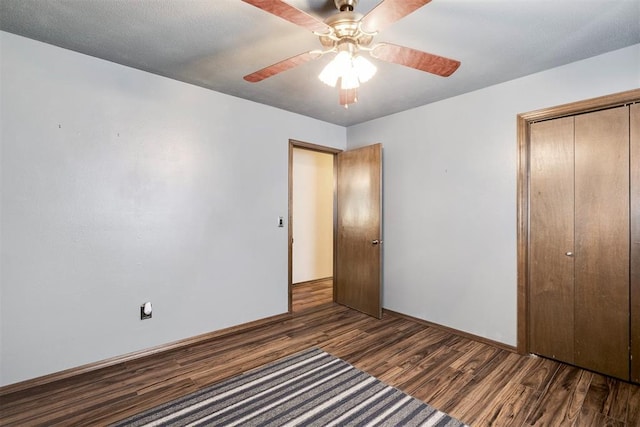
551	283
602	241
635	241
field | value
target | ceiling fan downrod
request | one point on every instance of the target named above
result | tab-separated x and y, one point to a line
347	5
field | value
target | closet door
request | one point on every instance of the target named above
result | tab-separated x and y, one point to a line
635	242
551	281
601	310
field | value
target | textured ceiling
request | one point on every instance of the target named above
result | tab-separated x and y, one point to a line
214	43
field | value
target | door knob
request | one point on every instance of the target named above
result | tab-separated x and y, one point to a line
376	242
569	254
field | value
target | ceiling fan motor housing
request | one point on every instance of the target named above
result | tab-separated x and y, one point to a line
345	25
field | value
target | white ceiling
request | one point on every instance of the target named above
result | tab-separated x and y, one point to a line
214	43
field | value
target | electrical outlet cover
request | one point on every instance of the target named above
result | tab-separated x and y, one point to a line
143	315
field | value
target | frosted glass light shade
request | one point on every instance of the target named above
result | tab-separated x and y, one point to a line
350	79
351	71
335	69
364	68
329	74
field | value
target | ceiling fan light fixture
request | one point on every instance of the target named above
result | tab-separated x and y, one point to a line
364	68
336	69
329	74
349	69
349	79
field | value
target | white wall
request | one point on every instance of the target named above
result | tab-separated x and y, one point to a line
312	215
450	193
120	187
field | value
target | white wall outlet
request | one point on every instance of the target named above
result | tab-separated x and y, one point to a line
146	311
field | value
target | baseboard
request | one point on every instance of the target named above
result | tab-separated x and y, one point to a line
311	282
453	331
91	367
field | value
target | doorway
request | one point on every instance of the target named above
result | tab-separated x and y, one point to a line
311	225
357	226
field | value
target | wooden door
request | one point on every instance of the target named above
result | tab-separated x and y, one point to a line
579	252
635	242
551	261
358	272
602	241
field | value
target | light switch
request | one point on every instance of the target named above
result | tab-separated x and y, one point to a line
280	221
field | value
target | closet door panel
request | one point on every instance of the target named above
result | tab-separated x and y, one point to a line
551	294
635	242
602	241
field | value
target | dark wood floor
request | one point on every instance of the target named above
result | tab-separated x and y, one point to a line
312	294
475	382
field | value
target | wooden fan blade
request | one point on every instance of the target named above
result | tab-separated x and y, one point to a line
348	96
415	59
389	11
291	14
281	66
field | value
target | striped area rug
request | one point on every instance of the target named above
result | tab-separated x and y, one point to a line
311	388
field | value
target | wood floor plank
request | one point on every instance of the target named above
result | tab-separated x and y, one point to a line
510	407
608	397
478	383
633	406
517	399
489	386
475	357
311	295
408	376
540	373
437	362
439	389
406	353
589	417
562	402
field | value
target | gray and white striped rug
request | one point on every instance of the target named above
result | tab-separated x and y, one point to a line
311	388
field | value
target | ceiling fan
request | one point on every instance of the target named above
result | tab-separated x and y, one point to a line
347	34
